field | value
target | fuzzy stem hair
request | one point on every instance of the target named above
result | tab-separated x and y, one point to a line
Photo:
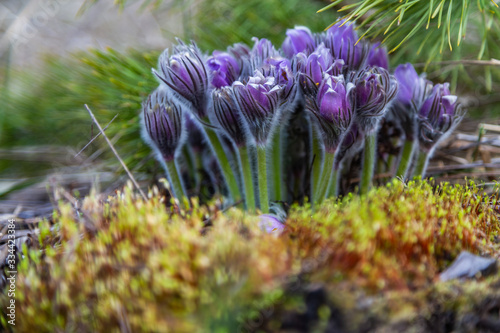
227	172
317	161
405	159
277	164
325	177
248	184
262	179
421	164
175	180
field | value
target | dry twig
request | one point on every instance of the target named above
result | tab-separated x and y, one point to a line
116	153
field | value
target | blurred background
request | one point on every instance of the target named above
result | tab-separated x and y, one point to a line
57	55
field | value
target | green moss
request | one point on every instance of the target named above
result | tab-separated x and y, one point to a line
131	262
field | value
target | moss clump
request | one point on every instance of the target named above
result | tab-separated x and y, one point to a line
399	236
127	263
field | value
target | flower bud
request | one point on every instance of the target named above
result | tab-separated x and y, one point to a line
299	39
412	88
262	50
439	114
239	51
163	123
343	43
223	69
259	101
411	94
375	89
186	74
378	57
332	108
226	116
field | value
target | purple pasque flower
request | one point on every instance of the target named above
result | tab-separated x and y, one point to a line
259	99
378	56
332	107
185	73
262	50
438	115
280	68
270	223
223	69
299	39
411	95
412	87
375	89
163	123
310	68
239	51
343	42
226	116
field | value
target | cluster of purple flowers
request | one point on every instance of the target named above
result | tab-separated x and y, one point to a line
241	100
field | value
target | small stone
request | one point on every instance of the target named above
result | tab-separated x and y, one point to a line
468	265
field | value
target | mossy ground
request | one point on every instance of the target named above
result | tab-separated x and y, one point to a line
122	263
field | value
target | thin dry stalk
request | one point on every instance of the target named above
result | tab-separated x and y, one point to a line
116	154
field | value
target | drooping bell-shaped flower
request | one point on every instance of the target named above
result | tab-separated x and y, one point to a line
223	69
375	90
226	116
332	108
438	115
378	56
185	73
299	39
342	40
163	123
259	101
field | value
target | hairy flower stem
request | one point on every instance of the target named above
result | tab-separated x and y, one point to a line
317	162
246	167
421	166
325	178
333	186
227	172
175	180
262	179
368	162
277	165
405	159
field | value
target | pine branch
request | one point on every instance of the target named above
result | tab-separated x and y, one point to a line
436	26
